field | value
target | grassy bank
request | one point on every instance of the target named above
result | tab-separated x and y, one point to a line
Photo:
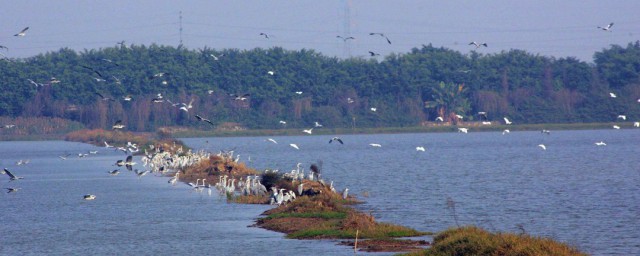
476	241
473	127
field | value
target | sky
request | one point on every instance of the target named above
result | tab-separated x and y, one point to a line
566	28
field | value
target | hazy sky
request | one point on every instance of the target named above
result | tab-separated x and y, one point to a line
557	28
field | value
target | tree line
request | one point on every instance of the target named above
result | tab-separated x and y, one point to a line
300	87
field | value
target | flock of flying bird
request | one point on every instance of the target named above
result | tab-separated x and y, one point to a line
186	107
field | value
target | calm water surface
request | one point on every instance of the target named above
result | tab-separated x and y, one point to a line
574	191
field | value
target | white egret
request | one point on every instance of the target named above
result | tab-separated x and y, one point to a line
478	45
607	27
23	32
308	131
507	121
601	143
272	140
612	95
12	190
11	176
623	117
294	146
542	146
420	148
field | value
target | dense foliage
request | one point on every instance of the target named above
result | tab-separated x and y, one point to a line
404	89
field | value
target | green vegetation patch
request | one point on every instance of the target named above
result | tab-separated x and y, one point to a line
476	241
321	233
322	215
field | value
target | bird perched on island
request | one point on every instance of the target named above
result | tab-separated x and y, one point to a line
336	139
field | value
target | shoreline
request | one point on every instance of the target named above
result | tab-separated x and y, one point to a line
348	131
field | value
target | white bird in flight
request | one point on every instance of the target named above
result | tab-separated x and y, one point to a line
317	124
612	95
272	140
616	127
89	197
623	117
507	121
294	146
420	148
601	143
23	32
439	119
636	124
375	145
374	109
542	146
505	131
607	27
463	130
478	45
308	131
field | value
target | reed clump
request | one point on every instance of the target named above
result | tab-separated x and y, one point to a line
472	240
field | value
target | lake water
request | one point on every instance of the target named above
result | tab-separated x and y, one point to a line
575	192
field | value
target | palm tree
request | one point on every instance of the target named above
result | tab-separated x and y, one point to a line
449	100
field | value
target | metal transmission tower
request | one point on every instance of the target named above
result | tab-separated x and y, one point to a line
180	22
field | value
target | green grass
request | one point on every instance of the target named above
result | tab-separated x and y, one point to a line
322	215
322	233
